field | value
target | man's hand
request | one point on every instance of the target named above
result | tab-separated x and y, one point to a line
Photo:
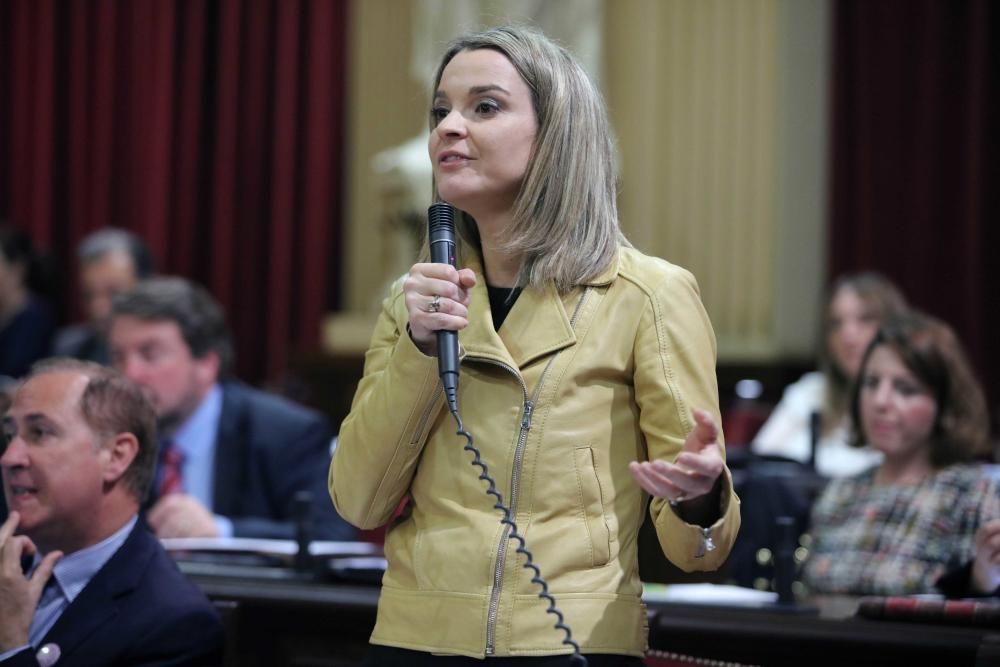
19	595
181	515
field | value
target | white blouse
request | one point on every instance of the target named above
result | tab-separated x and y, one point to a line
786	432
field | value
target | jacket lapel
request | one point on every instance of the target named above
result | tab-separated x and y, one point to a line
229	454
96	604
538	325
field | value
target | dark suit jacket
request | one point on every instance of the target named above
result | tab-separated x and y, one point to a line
137	611
26	338
267	449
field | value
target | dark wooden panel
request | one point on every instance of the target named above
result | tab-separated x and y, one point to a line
286	619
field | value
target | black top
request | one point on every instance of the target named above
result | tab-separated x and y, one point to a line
501	301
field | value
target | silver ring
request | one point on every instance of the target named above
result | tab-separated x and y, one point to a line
674	502
435	304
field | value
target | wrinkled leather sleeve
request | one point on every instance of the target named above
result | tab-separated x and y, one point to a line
675	373
380	441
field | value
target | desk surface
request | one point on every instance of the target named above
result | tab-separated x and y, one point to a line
828	634
288	619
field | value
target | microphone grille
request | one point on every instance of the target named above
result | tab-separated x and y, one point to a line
440	217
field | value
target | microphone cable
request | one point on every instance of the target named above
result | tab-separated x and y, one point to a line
441	238
522	548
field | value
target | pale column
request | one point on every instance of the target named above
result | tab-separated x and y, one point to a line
706	96
384	109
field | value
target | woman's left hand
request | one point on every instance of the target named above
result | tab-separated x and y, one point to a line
693	474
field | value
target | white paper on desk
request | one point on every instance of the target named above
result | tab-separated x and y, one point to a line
345	549
706	594
268	547
360	563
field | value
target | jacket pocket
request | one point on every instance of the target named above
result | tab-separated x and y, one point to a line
592	502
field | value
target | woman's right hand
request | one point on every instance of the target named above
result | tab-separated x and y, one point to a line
437	298
986	567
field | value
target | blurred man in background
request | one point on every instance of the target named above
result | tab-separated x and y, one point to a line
111	261
233	458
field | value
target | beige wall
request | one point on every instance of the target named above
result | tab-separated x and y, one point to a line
719	108
385	108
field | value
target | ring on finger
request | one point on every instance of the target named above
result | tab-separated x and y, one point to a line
435	304
674	502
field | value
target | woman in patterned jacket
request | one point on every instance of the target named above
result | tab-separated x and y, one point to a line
928	509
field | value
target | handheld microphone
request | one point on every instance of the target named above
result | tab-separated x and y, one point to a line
441	235
441	238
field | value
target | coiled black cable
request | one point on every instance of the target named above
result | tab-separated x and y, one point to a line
508	520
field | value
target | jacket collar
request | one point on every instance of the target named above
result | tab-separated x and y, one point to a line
538	325
608	275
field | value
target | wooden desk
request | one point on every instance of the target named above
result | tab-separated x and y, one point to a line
282	619
286	620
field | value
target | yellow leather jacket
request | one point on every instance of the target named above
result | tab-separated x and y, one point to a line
573	388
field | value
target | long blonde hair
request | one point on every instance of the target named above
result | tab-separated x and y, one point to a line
565	217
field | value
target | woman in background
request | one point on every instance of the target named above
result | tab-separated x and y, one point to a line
928	508
26	320
587	380
858	303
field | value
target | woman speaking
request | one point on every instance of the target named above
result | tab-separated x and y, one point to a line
587	382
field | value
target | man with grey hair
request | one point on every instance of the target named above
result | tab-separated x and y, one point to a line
77	459
111	261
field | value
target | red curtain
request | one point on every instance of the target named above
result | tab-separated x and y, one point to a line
915	165
212	129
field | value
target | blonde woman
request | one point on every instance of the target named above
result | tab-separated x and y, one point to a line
587	380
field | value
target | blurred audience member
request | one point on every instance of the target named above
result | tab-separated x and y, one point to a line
233	458
99	590
928	508
858	303
110	261
26	319
7	386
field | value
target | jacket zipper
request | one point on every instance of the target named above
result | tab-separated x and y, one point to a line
522	439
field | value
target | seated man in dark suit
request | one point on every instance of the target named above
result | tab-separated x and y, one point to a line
100	590
234	457
110	261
